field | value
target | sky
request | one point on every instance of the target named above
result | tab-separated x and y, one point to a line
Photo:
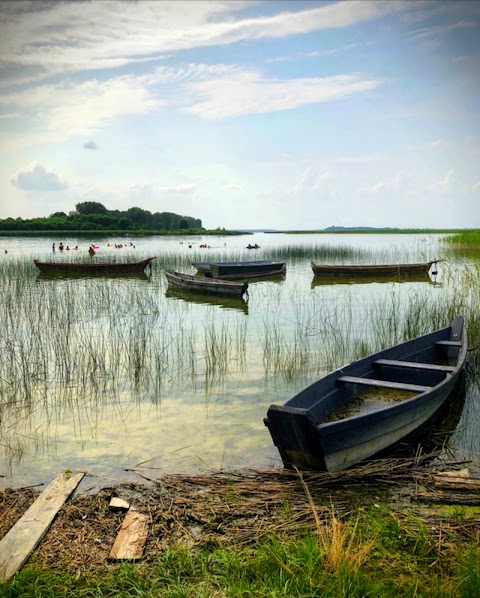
244	114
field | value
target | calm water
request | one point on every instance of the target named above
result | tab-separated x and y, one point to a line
125	374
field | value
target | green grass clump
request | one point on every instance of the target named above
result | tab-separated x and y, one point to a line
467	238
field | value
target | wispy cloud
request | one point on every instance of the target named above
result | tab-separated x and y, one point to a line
90	145
42	39
397	183
445	183
248	92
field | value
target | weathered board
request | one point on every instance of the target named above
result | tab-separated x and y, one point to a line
22	539
131	538
118	504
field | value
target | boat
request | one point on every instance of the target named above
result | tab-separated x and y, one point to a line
202	284
241	270
94	268
421	374
392	270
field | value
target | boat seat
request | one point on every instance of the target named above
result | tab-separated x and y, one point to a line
431	367
383	383
449	343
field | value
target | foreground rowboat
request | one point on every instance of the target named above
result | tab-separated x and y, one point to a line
241	270
424	370
201	284
372	270
93	267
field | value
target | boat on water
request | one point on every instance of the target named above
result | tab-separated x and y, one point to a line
373	270
202	284
241	270
416	379
93	267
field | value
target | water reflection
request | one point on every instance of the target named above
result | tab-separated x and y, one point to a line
319	281
65	275
198	299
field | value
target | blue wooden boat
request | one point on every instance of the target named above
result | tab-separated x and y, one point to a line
423	372
241	270
209	286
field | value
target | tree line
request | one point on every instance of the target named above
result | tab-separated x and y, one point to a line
93	216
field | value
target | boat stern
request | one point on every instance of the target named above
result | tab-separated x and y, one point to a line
293	433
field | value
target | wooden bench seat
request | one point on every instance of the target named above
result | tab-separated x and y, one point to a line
383	383
430	367
449	343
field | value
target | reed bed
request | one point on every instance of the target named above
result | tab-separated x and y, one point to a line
82	349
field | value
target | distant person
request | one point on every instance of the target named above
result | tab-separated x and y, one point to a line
6	251
67	248
91	250
61	246
53	248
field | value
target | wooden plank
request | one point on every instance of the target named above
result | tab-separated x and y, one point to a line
118	504
383	383
22	539
131	538
459	473
431	367
449	343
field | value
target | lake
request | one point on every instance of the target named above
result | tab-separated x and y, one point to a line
105	375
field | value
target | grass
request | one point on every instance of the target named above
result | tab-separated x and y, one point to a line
374	552
464	239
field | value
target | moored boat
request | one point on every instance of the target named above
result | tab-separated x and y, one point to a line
202	284
93	267
422	373
372	269
241	270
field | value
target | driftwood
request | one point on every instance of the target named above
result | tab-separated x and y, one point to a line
456	480
131	538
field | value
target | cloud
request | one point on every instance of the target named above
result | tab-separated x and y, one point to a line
395	184
310	180
446	183
242	92
56	112
91	145
36	177
440	31
476	187
43	39
232	187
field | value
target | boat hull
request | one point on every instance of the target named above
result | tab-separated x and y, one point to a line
428	367
241	270
391	270
93	268
208	286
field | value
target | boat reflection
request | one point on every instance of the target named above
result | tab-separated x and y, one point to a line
319	281
131	276
235	303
